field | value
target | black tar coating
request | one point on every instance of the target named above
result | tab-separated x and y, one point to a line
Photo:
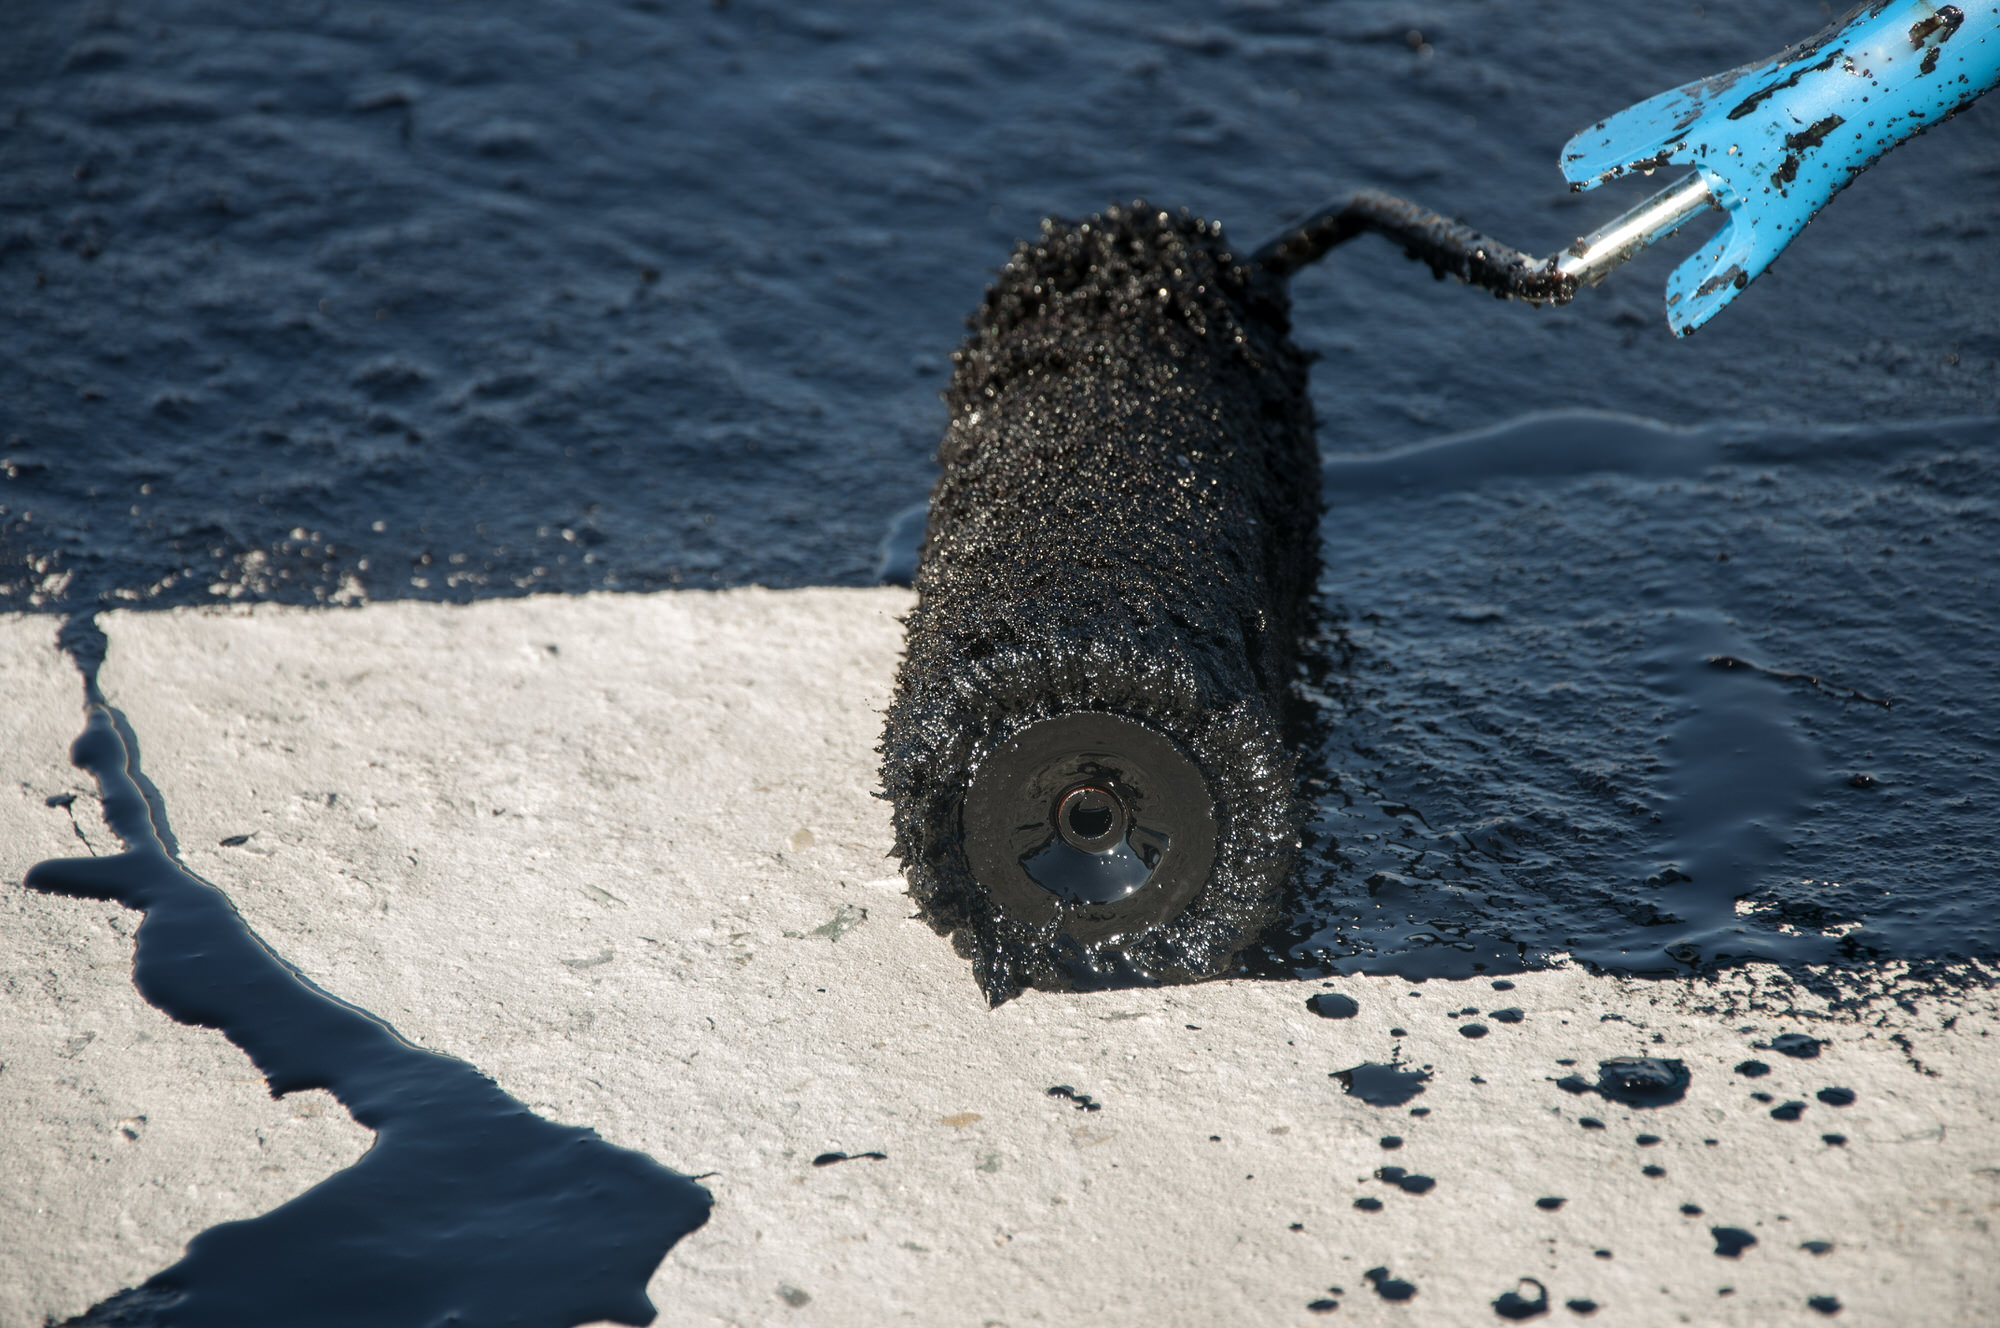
1126	521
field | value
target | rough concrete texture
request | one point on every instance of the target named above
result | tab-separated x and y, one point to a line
622	854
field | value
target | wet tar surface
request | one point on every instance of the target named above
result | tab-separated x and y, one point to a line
470	300
1535	750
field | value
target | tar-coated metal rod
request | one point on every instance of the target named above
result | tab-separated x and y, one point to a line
1451	248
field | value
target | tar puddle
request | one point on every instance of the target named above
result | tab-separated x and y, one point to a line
469	1208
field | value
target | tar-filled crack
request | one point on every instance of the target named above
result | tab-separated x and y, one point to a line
468	1208
67	802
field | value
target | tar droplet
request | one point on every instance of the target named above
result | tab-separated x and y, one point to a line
1691	1210
1405	1181
1636	1081
1590	1123
1763	1097
1581	1306
1646	1140
1333	1005
1387	1287
1730	1242
1511	1015
1602	1254
1368	1204
1503	985
1834	1140
1472	1030
1322	1306
1548	1203
1836	1097
1790	1111
1382	1085
1817	1247
1392	1141
1796	1045
1824	1304
1399	1032
1753	1069
1516	1304
1654	1172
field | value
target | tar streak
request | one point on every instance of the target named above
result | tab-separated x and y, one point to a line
1082	1101
468	1209
828	1159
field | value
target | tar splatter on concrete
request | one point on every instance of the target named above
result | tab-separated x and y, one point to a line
469	1207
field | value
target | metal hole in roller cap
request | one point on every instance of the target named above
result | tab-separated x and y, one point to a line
1090	821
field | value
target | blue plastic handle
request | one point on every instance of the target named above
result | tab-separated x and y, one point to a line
1775	141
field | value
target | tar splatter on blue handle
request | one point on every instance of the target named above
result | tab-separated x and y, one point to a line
1776	140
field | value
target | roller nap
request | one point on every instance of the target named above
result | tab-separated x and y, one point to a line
1086	752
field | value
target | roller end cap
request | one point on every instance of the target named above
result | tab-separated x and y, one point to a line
1090	824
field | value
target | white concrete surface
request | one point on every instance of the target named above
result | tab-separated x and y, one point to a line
622	854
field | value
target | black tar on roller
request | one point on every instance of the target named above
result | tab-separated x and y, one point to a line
1086	751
